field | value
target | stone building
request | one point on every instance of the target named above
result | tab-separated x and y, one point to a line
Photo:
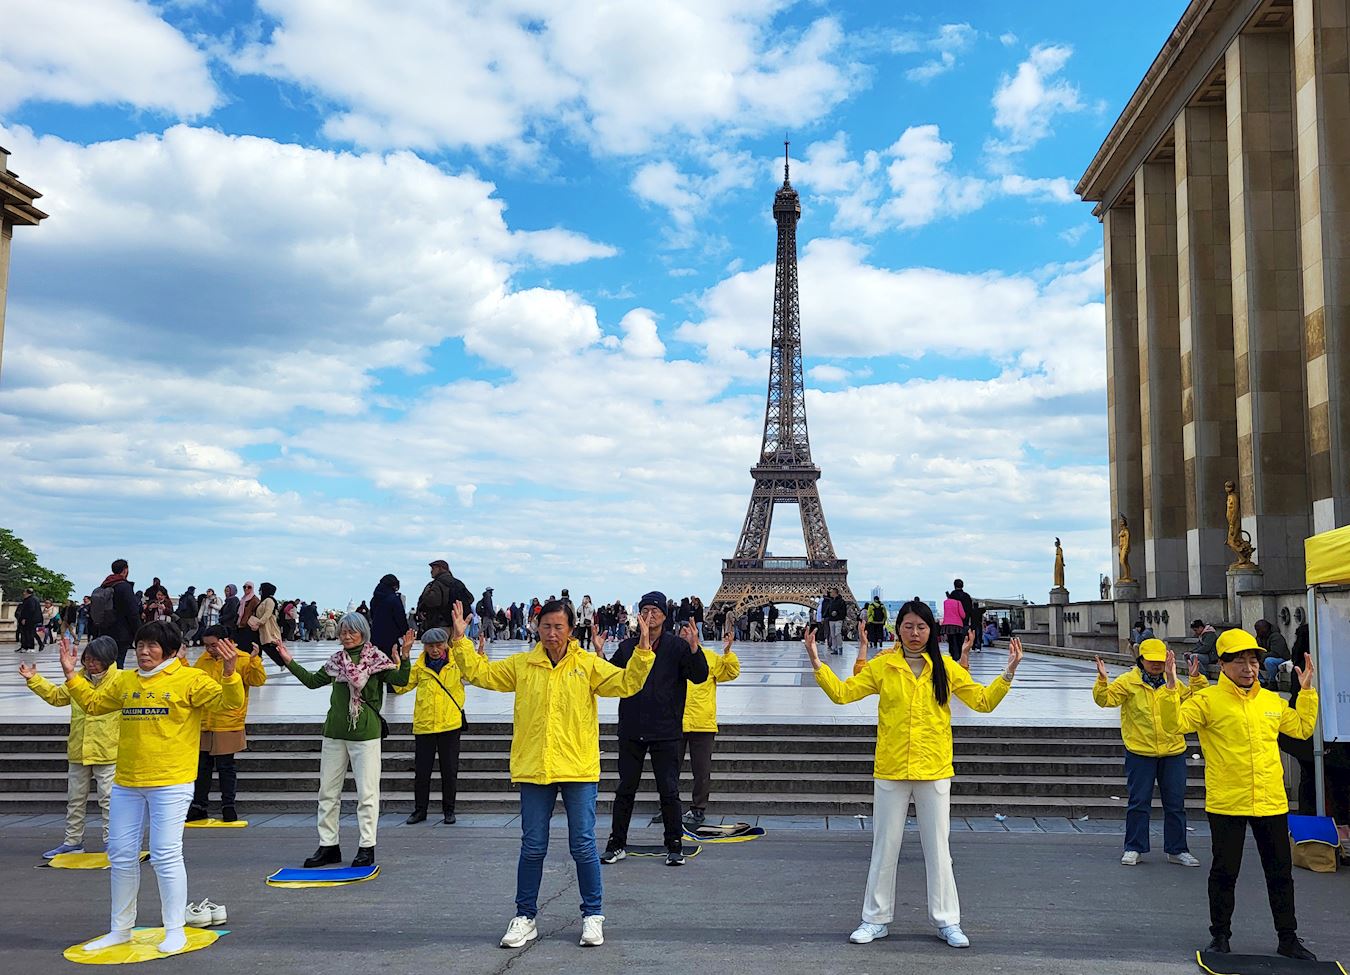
1224	195
16	210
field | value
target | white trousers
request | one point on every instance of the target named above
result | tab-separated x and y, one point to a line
166	807
364	757
78	780
932	807
836	635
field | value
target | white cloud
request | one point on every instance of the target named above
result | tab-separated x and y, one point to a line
622	75
922	188
640	336
1007	39
826	373
1057	189
687	196
951	40
1026	102
100	52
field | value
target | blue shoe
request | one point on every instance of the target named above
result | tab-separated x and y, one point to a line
63	848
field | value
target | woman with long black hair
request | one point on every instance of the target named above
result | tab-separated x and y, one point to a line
913	760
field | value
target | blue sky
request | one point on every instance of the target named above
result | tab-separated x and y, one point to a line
334	287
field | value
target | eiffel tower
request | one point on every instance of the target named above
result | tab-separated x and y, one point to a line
785	473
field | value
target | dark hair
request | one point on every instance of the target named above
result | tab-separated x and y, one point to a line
958	584
266	590
119	565
558	606
102	649
162	632
934	649
217	631
389	579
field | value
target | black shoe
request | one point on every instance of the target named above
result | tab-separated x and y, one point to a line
325	856
1294	948
613	855
365	857
674	858
195	813
227	814
418	816
1218	944
448	819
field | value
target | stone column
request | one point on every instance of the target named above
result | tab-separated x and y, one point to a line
16	209
1205	305
1322	124
1122	383
1160	380
1267	304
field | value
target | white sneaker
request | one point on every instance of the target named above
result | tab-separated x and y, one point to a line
519	932
1131	858
592	930
868	932
1185	859
954	936
218	915
198	915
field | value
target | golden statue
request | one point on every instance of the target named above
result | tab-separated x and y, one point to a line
1059	565
1123	547
1238	540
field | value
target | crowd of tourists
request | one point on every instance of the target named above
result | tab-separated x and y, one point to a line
153	738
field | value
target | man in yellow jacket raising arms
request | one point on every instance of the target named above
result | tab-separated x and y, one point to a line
555	748
700	724
1239	724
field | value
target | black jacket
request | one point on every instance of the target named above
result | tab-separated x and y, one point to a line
309	614
229	614
388	621
835	609
128	615
433	606
29	612
656	713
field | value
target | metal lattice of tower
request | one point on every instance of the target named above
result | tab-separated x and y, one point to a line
785	473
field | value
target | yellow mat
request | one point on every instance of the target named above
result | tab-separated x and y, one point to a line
141	947
85	861
215	824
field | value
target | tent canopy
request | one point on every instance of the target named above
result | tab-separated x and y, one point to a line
1328	557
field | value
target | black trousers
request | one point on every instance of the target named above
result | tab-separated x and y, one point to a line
270	650
426	748
229	777
28	636
1228	836
666	759
698	745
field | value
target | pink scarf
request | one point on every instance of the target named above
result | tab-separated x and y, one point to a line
355	674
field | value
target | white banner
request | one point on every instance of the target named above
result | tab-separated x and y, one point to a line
1333	663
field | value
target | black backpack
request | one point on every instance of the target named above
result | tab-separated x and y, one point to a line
103	608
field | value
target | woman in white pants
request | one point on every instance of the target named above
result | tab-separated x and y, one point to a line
161	703
913	760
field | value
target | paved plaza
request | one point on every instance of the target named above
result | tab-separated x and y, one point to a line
783	904
775	686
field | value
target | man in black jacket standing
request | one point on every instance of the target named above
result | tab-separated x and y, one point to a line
433	606
115	611
28	617
652	720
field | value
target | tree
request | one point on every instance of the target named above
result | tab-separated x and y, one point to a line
19	570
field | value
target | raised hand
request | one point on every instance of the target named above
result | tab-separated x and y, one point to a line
282	652
809	639
1305	674
228	655
404	652
598	639
690	633
1193	667
644	635
967	643
728	638
1014	654
70	659
1170	668
27	670
458	624
1101	668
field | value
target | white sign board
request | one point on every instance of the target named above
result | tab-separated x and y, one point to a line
1333	664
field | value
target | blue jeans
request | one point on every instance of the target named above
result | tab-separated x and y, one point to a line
536	808
1273	670
1141	772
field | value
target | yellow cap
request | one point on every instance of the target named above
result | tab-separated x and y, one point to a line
1235	641
1153	650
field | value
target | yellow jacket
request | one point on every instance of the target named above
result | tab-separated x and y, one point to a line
859	665
1239	731
161	725
93	738
1140	713
700	700
250	670
914	732
557	726
433	710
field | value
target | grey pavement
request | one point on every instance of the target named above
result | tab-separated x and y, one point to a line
1031	902
776	685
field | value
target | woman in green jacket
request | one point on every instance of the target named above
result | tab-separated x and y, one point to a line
352	731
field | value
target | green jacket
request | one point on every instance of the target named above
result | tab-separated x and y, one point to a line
338	722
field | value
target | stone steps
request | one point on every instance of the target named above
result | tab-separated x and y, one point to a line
759	769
